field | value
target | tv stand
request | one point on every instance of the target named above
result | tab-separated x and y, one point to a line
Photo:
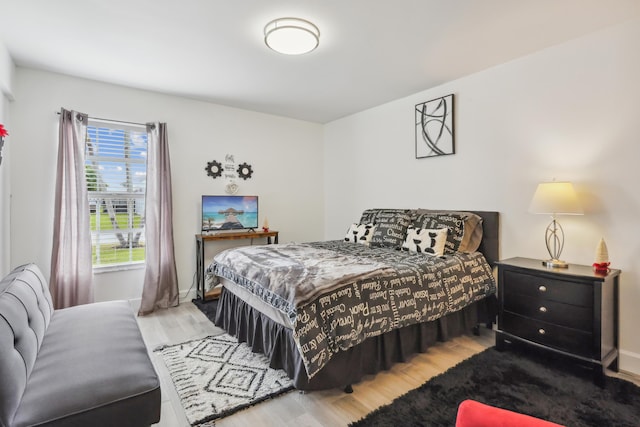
201	239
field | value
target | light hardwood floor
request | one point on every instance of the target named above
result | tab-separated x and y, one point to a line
317	408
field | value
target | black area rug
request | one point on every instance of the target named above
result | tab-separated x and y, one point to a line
534	384
207	307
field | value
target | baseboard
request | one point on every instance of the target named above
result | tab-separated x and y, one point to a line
629	362
187	296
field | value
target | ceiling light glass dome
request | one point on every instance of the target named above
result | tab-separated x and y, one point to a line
291	36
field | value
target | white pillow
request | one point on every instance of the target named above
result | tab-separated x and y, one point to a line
425	240
360	233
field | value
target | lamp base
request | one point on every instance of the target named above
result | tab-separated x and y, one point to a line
555	263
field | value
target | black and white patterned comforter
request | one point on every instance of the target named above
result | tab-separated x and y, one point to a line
338	294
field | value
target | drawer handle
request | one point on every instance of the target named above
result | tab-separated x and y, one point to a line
542	288
542	331
543	309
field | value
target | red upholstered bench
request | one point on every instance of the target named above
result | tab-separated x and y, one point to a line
476	414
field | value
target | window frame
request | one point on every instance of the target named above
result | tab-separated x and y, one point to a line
125	193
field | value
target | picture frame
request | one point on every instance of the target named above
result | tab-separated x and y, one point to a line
434	129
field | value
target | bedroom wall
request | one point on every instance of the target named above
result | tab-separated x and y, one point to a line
569	112
284	154
5	192
7	69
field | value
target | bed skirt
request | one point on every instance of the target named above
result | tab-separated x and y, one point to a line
347	367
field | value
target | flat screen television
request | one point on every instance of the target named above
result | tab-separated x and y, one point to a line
229	212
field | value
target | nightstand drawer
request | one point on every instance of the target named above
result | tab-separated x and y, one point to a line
571	316
548	288
558	337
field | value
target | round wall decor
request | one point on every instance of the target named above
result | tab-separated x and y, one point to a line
231	188
214	169
245	171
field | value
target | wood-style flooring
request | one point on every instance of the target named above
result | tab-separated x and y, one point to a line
313	409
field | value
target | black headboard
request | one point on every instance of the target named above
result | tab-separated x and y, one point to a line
490	245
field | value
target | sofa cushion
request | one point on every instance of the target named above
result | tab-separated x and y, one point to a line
25	313
92	369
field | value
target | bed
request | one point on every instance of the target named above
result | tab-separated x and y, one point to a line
329	313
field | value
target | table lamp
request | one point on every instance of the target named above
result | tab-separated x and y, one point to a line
555	198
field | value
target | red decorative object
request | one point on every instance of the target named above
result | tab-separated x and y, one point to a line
3	133
476	414
602	267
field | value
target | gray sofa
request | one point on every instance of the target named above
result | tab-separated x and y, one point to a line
80	366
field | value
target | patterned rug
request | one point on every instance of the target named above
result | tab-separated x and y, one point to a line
217	376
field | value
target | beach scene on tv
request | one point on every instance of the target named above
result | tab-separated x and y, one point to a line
229	212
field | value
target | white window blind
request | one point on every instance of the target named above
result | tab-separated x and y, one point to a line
116	172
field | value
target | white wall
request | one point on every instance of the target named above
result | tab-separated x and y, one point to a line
286	156
7	69
5	191
569	112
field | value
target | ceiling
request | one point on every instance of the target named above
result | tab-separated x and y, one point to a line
371	51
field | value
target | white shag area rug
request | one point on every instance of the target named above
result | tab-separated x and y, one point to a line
217	376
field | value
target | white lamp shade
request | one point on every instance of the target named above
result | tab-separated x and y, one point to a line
291	36
555	198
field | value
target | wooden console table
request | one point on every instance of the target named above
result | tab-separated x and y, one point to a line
223	235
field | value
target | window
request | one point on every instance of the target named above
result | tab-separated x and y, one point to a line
116	173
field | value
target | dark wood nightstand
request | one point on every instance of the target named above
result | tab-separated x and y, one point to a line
570	311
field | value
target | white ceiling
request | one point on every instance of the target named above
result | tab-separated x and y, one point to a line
371	51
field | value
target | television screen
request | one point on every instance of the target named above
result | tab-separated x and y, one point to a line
229	212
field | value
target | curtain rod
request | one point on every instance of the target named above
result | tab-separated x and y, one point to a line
114	121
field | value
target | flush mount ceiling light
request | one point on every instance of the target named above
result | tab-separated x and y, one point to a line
291	36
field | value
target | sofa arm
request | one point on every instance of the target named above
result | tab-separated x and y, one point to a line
476	414
25	314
